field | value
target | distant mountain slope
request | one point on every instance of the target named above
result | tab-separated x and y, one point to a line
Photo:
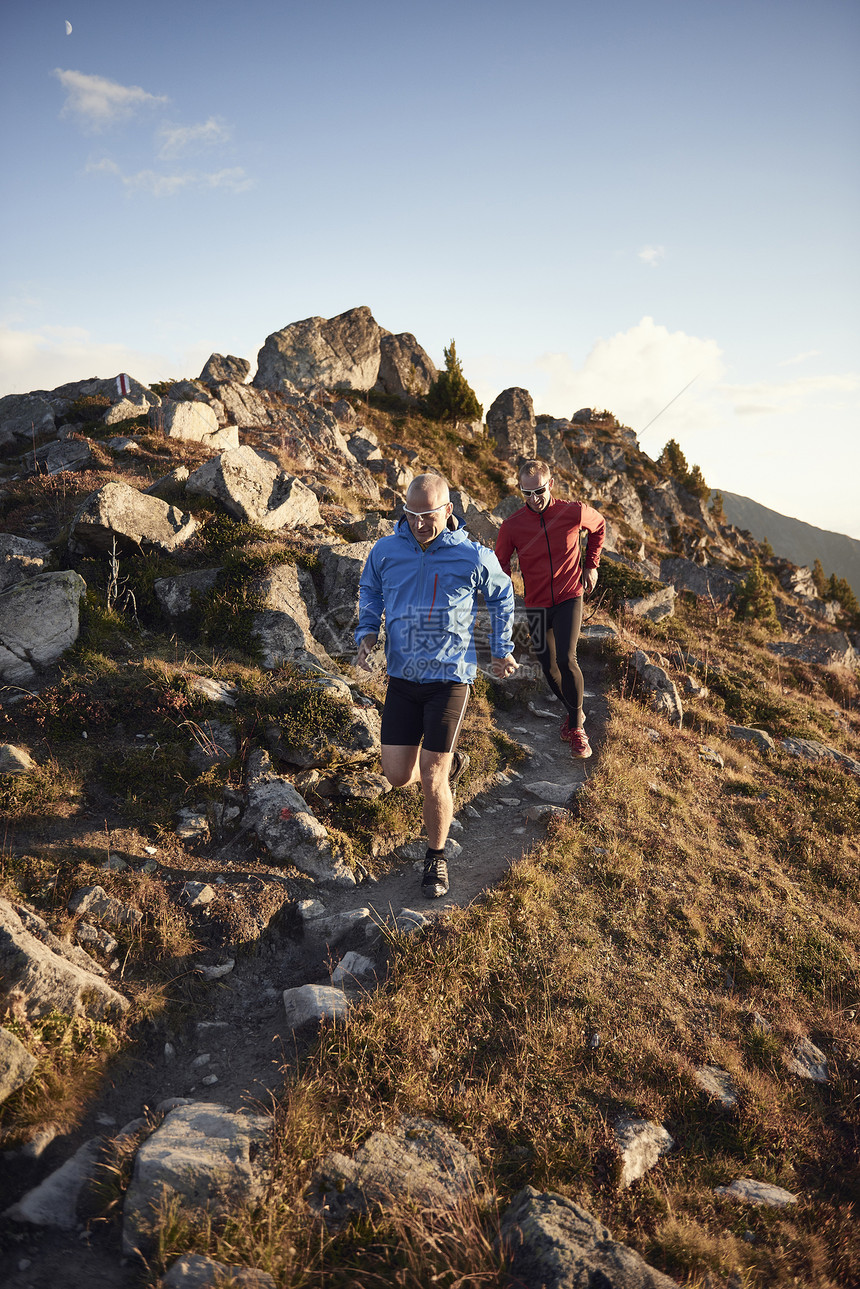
799	542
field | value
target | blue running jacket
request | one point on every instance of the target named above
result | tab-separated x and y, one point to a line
429	600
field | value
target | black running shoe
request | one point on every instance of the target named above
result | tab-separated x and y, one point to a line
459	766
435	880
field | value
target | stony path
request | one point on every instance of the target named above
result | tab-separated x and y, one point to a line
243	1031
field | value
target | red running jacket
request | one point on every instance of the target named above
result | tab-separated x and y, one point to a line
548	548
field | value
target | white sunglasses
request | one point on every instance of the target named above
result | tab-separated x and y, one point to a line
422	514
534	492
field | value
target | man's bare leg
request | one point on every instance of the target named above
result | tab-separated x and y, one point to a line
400	764
435	768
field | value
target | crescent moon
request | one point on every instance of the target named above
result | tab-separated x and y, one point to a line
68	28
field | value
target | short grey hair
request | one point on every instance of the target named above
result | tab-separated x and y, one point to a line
433	485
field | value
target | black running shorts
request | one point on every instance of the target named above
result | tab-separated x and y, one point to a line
429	710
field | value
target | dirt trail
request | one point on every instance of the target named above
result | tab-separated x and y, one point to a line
242	1026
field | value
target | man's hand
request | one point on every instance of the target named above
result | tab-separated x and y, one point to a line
367	645
590	580
503	667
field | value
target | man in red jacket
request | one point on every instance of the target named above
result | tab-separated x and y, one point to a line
545	534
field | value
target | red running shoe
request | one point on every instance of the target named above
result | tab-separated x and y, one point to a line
565	729
580	748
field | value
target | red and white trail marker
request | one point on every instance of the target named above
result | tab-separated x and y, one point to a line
123	384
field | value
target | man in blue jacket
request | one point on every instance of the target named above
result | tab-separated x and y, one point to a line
425	578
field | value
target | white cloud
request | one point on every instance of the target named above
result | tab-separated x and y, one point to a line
635	374
652	255
51	356
233	179
799	358
766	398
98	102
178	139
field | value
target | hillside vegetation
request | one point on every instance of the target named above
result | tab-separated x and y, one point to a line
699	906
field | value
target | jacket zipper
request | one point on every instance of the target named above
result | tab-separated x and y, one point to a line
549	553
433	601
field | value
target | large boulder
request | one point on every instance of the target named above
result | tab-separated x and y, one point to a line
40	973
220	368
283	627
554	1243
241	405
819	646
59	456
337	615
195	421
21	558
180	595
405	369
23	417
511	422
708	580
336	353
255	490
118	511
659	688
39	620
205	1154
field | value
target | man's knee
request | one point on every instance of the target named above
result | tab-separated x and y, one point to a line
398	765
434	770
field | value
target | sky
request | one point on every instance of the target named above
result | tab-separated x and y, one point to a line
613	205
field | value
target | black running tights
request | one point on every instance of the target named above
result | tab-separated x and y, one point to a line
554	633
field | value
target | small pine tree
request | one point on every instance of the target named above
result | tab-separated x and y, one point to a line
695	483
841	592
766	550
716	508
451	397
819	579
755	599
673	461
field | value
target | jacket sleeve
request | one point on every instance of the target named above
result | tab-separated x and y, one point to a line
595	525
505	548
370	599
498	592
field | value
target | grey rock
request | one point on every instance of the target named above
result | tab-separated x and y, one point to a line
705	580
95	901
660	690
336	353
20	559
219	368
718	1084
54	1202
338	926
202	1153
554	794
582	417
311	1004
352	967
194	1271
337	615
750	734
198	894
284	823
217	691
419	1162
101	940
821	647
553	1243
407	921
125	410
191	821
16	1064
181	594
255	490
15	760
551	449
405	370
809	750
511	422
283	627
640	1143
310	910
196	422
214	744
545	811
244	407
416	850
597	635
39	621
55	458
24	415
364	446
749	1191
711	756
808	1061
119	511
656	606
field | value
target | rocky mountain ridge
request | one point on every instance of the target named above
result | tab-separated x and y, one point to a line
237	517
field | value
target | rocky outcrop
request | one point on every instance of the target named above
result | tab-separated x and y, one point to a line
118	511
204	1154
40	973
219	368
821	647
180	595
336	353
405	369
708	580
199	1272
23	416
660	691
39	621
336	617
254	490
283	627
553	1243
59	456
511	422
